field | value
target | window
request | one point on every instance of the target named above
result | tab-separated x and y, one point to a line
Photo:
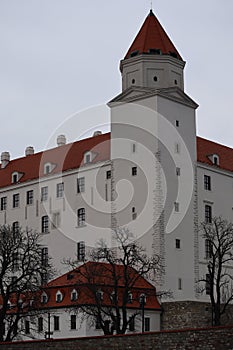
178	171
207	182
16	200
176	207
134	171
45	224
87	157
134	147
132	325
177	123
208	249
207	284
27	327
56	323
73	324
60	190
208	214
15	227
179	283
113	297
59	297
29	197
15	261
81	217
134	214
44	194
40	324
44	278
97	323
74	295
215	159
81	185
99	295
130	298
44	257
44	298
147	324
3	203
15	178
177	243
81	251
56	219
177	148
47	168
108	174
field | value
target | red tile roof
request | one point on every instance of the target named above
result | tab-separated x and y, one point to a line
206	148
64	158
152	36
102	278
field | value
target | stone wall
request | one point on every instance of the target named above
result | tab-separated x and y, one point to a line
190	314
220	338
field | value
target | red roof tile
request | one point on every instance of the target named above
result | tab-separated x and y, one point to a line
206	148
64	158
152	36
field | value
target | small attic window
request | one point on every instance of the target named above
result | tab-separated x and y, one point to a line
59	297
173	54
15	177
87	157
134	53
74	295
155	52
44	298
47	168
215	159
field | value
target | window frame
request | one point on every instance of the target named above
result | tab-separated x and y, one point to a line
16	200
56	323
45	224
134	171
73	322
147	324
3	203
60	190
81	184
44	194
30	197
208	213
81	217
207	182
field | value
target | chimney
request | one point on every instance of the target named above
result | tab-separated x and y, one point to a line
5	159
97	133
61	140
29	151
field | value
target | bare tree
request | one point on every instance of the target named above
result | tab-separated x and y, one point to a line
109	285
218	281
22	270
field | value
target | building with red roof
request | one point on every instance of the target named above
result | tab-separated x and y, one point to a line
151	175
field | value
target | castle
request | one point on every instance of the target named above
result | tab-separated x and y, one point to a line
151	174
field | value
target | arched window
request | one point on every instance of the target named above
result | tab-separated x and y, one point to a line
74	295
59	297
81	217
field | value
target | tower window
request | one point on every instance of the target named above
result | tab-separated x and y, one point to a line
108	174
45	224
81	251
175	82
178	171
134	53
179	283
176	207
81	217
155	52
177	243
134	171
134	214
155	78
208	214
177	123
133	81
208	249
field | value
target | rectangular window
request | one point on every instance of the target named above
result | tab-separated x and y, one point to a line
208	214
97	324
60	190
15	227
56	323
177	148
177	123
207	284
44	194
132	325
81	251
15	261
179	283
176	207
27	327
81	185
178	171
40	324
134	147
81	217
207	182
134	171
56	219
73	323
44	256
16	200
3	203
134	214
208	249
108	174
45	224
147	324
44	278
30	197
177	243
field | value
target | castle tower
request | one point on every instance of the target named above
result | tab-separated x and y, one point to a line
152	60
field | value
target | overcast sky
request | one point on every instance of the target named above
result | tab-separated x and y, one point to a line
58	57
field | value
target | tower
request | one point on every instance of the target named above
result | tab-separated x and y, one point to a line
153	147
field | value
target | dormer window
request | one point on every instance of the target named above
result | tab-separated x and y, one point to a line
59	297
99	295
15	177
214	159
74	295
44	298
47	168
87	157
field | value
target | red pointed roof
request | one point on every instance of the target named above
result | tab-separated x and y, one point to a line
152	36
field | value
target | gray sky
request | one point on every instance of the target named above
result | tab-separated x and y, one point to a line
58	57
